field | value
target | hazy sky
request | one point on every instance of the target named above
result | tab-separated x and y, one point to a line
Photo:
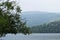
40	5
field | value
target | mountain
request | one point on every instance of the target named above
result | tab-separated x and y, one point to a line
34	18
52	27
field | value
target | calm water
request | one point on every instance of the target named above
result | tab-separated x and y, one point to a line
34	36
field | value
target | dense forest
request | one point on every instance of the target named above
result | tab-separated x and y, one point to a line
52	27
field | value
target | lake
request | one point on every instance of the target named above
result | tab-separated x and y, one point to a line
33	36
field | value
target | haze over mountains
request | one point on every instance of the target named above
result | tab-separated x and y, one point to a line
34	18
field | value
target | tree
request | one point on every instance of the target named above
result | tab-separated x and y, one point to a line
10	19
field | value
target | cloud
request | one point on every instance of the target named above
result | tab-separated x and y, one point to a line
40	5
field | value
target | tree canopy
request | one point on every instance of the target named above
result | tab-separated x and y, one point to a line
10	19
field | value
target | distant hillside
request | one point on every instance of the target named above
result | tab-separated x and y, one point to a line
36	18
52	27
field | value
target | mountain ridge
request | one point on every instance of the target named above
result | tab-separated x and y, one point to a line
36	17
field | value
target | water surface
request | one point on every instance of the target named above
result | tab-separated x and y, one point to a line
34	36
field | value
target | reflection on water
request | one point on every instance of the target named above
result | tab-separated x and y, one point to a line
34	36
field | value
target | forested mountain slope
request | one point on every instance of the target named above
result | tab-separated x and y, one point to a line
34	18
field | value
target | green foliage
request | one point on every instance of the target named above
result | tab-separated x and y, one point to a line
52	27
10	20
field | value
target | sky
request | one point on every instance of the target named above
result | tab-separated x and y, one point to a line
40	5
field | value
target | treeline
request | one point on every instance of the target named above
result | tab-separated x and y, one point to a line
52	27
